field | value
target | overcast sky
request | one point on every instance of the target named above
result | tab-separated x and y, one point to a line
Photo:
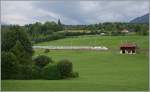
73	12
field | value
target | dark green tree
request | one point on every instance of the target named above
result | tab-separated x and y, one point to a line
14	34
22	56
59	23
9	65
60	26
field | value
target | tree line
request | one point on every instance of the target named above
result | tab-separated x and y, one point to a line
111	27
51	30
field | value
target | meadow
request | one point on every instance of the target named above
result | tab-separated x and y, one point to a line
98	70
96	40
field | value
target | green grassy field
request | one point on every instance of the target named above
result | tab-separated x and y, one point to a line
98	70
108	41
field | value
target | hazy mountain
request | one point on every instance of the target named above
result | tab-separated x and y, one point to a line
141	19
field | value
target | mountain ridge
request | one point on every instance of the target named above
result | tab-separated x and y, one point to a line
141	19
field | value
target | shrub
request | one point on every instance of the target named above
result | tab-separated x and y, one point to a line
42	60
9	65
46	50
65	68
28	72
36	73
74	74
51	72
25	72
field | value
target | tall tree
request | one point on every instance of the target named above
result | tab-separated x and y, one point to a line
59	23
22	56
60	26
14	34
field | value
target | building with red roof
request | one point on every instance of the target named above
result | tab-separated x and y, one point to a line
128	49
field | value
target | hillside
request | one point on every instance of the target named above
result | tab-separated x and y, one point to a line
141	19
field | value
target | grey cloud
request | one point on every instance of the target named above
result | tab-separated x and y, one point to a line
73	12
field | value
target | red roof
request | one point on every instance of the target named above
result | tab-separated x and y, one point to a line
128	45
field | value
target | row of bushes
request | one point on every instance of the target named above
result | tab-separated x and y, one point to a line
54	70
42	67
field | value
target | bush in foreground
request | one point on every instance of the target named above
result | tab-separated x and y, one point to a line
65	68
27	72
60	70
51	72
44	68
42	60
74	74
